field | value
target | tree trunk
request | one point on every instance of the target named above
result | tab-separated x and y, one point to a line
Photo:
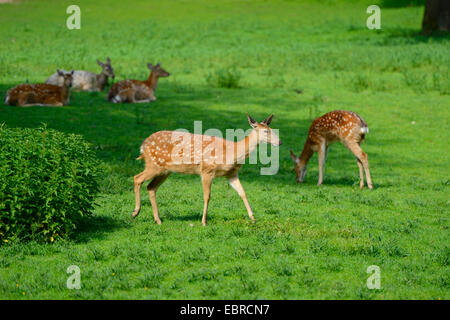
436	16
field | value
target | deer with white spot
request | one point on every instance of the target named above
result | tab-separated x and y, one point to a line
165	152
136	91
344	126
47	95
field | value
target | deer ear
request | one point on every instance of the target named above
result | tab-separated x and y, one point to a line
150	66
158	64
268	120
108	60
294	158
99	63
252	121
61	73
72	72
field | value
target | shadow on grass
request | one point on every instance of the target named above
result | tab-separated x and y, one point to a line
96	227
117	130
401	3
194	217
402	36
349	182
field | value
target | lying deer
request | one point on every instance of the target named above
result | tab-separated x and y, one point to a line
135	91
86	80
210	157
344	126
27	95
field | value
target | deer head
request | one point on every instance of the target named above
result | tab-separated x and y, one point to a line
158	70
264	133
107	68
300	167
68	77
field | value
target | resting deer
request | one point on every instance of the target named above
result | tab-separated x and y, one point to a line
210	157
135	91
344	126
86	80
27	95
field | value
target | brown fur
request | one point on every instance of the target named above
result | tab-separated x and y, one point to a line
207	156
27	95
340	125
134	91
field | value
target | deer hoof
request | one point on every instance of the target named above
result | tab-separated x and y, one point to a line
135	214
370	186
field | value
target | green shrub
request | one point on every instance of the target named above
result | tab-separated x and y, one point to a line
224	78
48	181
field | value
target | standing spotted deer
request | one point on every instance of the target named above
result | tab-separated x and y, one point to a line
165	152
86	80
27	95
136	91
344	126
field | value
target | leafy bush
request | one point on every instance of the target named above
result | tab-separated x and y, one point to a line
224	78
48	181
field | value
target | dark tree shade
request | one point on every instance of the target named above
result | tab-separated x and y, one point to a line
436	16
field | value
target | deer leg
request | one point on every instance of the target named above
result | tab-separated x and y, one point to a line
152	188
34	105
322	154
51	104
143	101
361	173
206	182
236	184
130	96
22	100
365	162
126	95
138	181
362	156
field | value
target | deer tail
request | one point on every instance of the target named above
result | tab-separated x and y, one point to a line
142	154
6	98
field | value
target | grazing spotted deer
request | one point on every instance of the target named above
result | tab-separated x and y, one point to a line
135	91
27	95
210	157
344	126
86	80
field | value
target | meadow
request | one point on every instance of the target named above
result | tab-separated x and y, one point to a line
227	58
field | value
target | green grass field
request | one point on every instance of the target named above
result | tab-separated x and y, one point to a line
308	242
